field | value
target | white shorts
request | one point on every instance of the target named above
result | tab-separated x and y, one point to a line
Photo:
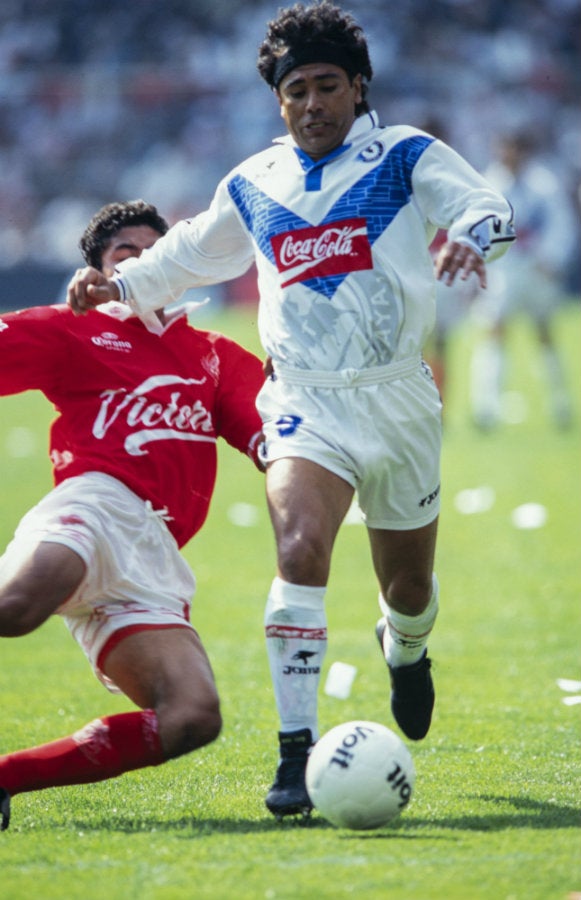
382	436
136	577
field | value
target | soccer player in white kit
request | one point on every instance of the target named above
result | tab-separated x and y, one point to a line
338	216
134	459
529	282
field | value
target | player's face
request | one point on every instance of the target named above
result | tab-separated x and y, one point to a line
130	241
317	103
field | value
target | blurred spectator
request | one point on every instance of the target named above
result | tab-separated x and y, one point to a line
97	97
532	283
452	300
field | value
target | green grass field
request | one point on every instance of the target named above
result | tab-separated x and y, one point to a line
496	813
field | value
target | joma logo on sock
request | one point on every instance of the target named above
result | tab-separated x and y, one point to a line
300	670
304	655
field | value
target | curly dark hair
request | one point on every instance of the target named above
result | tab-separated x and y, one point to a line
321	22
110	219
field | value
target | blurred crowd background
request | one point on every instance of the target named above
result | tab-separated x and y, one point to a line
103	101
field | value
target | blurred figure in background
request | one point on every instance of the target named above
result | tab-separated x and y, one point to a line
452	300
533	283
453	303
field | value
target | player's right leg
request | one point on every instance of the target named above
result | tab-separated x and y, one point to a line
307	505
166	672
560	404
487	372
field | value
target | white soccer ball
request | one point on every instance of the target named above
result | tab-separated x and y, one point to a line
360	775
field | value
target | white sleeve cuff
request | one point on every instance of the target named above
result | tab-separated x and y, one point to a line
123	295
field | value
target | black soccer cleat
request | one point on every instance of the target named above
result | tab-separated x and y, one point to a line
412	692
4	809
288	795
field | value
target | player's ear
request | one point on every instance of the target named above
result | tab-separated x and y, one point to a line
279	98
357	82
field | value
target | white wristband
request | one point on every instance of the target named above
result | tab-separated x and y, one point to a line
123	296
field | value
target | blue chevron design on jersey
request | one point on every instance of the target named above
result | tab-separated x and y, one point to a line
377	197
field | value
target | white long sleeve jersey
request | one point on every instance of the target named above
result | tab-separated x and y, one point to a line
341	244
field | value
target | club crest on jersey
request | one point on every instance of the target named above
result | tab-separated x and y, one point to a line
373	152
319	251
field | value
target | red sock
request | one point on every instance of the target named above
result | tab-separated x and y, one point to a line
102	749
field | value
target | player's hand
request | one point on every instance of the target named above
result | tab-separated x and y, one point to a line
88	288
268	367
454	259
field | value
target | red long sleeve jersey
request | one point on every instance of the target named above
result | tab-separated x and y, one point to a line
144	408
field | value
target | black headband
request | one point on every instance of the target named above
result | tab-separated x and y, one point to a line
313	52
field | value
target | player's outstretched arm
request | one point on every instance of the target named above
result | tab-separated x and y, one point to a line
88	288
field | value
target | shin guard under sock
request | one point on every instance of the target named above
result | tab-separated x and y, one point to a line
296	640
405	637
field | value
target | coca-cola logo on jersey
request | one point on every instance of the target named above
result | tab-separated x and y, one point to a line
322	250
159	409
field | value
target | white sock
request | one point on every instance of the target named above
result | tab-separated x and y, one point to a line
406	637
560	403
487	378
296	641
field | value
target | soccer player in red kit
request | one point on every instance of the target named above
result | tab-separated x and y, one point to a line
134	458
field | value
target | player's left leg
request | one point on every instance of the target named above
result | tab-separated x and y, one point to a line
164	671
560	405
487	377
403	562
